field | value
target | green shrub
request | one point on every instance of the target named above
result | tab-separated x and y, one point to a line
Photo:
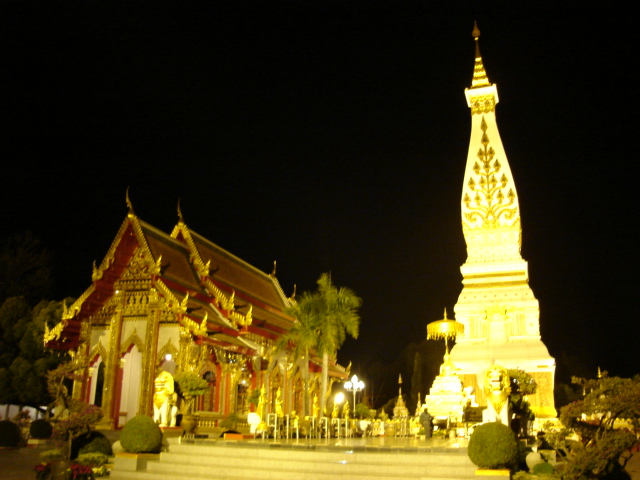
51	455
94	459
92	441
543	468
98	444
41	429
10	435
230	421
493	445
141	435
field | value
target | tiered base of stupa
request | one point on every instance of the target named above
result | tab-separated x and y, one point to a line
446	398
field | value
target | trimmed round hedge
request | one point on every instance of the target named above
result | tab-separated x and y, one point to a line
10	435
141	435
493	445
40	429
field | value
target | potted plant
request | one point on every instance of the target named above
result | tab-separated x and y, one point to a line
191	385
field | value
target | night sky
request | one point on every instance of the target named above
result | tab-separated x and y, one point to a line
332	136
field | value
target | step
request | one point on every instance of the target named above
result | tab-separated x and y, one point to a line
332	455
243	461
295	466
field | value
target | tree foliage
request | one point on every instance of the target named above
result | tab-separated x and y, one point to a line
606	422
522	384
24	361
25	268
302	338
324	319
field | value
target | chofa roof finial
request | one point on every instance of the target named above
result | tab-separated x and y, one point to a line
129	204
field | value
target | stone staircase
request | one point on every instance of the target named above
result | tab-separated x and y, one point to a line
243	460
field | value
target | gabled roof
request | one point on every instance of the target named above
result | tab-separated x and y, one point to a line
224	274
226	291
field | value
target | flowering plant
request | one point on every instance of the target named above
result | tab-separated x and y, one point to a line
77	423
78	471
42	470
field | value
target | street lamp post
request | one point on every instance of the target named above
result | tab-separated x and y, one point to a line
354	385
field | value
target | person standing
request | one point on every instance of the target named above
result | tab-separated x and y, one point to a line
425	420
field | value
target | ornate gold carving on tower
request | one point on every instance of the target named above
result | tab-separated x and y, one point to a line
489	208
483	104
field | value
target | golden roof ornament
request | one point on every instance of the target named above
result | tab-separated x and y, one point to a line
180	218
480	78
129	204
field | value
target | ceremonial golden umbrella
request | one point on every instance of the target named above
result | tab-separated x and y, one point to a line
445	328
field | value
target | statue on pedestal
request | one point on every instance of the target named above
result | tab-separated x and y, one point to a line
497	388
279	411
162	396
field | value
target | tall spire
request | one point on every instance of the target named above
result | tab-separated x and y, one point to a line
497	308
490	212
480	78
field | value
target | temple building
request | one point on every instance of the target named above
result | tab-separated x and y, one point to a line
181	303
500	314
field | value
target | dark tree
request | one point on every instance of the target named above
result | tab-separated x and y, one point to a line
606	422
25	268
24	361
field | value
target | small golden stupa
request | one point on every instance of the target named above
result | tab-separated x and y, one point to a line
446	397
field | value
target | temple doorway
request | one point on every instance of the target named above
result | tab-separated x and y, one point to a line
131	379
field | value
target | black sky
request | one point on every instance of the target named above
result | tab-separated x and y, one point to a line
332	136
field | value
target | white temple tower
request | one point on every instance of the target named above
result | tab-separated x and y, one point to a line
500	314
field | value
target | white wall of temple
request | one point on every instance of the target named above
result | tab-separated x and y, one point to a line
100	335
137	327
168	340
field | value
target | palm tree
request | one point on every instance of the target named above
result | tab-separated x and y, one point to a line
339	317
302	337
323	320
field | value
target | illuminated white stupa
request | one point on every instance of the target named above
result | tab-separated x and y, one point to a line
500	314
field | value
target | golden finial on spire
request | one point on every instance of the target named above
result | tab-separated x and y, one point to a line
129	204
293	295
476	31
480	78
273	272
180	218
